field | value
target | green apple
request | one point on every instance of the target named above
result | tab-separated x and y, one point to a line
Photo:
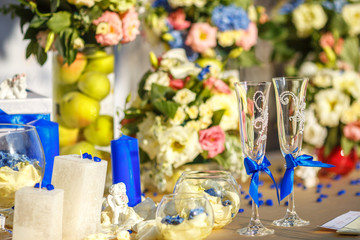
94	84
78	110
100	132
80	147
67	136
70	73
100	61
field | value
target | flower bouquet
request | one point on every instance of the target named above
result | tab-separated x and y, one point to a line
183	114
207	29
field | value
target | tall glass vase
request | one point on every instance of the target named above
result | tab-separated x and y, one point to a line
290	96
83	101
253	99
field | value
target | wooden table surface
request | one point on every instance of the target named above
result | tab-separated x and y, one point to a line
307	208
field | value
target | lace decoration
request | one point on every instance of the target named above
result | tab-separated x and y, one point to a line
260	122
299	115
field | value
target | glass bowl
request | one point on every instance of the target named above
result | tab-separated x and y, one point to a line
219	187
184	216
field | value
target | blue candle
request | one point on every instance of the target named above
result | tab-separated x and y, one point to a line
126	166
49	136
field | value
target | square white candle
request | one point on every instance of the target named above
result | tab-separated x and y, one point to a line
83	181
38	214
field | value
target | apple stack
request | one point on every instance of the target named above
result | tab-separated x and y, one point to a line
82	93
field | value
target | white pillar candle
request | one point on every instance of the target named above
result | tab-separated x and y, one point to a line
38	214
83	181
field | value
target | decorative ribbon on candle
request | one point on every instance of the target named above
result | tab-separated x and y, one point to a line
21	118
288	180
253	168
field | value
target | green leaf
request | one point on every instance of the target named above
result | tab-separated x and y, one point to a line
38	21
347	145
54	4
168	108
248	59
160	91
32	48
59	21
216	118
141	90
350	52
130	129
272	31
41	55
338	25
31	33
144	157
332	140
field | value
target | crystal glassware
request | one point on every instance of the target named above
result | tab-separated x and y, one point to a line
253	99
183	216
220	188
290	96
22	162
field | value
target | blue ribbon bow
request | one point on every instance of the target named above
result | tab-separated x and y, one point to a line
288	180
253	168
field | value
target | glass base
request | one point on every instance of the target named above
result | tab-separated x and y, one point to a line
291	219
255	228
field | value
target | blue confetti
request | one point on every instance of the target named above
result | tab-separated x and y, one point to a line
90	156
358	165
323	196
195	212
242	192
299	185
318	190
341	192
328	185
172	220
129	231
261	183
260	195
212	192
241	210
37	185
85	155
304	187
357	194
261	202
247	196
226	203
272	186
269	202
319	186
143	194
337	177
155	194
319	200
250	202
286	203
50	187
96	159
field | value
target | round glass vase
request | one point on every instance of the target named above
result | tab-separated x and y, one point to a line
83	101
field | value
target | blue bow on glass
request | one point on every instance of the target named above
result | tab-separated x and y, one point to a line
288	180
253	168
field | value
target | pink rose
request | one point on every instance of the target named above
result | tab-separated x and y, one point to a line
352	131
339	45
249	38
109	29
177	20
327	40
323	58
212	140
131	25
218	85
201	37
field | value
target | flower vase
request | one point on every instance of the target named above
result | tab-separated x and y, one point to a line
344	164
83	101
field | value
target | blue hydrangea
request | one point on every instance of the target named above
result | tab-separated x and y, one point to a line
191	55
230	18
162	3
290	6
337	5
178	41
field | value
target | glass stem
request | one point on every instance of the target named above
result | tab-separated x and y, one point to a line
291	203
255	213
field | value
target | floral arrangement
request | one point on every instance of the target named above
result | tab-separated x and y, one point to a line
69	25
207	29
319	31
183	114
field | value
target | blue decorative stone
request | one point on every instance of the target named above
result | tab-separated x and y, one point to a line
341	192
37	185
286	203
323	196
319	186
168	220
260	195
96	159
129	231
195	212
269	202
319	199
304	187
85	155
143	194
50	187
226	203
318	190
247	196
299	185
242	192
328	185
261	183
337	177
357	194
155	194
241	210
212	192
272	186
250	202
261	202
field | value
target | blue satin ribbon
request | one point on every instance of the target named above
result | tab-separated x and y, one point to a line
288	180
253	168
21	118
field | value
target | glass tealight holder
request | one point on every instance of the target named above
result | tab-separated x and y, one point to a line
183	216
219	187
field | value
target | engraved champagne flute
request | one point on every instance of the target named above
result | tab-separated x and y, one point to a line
253	99
290	96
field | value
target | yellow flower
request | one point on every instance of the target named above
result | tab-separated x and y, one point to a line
184	96
103	28
351	15
193	124
229	38
179	117
252	13
192	111
307	17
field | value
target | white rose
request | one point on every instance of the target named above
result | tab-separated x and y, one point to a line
160	78
193	124
178	145
225	102
351	15
192	111
351	114
307	17
146	137
88	3
205	122
184	70
349	82
315	134
308	69
184	96
178	54
179	117
329	105
205	110
123	235
324	78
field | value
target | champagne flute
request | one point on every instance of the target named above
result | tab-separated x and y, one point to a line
290	107
253	99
